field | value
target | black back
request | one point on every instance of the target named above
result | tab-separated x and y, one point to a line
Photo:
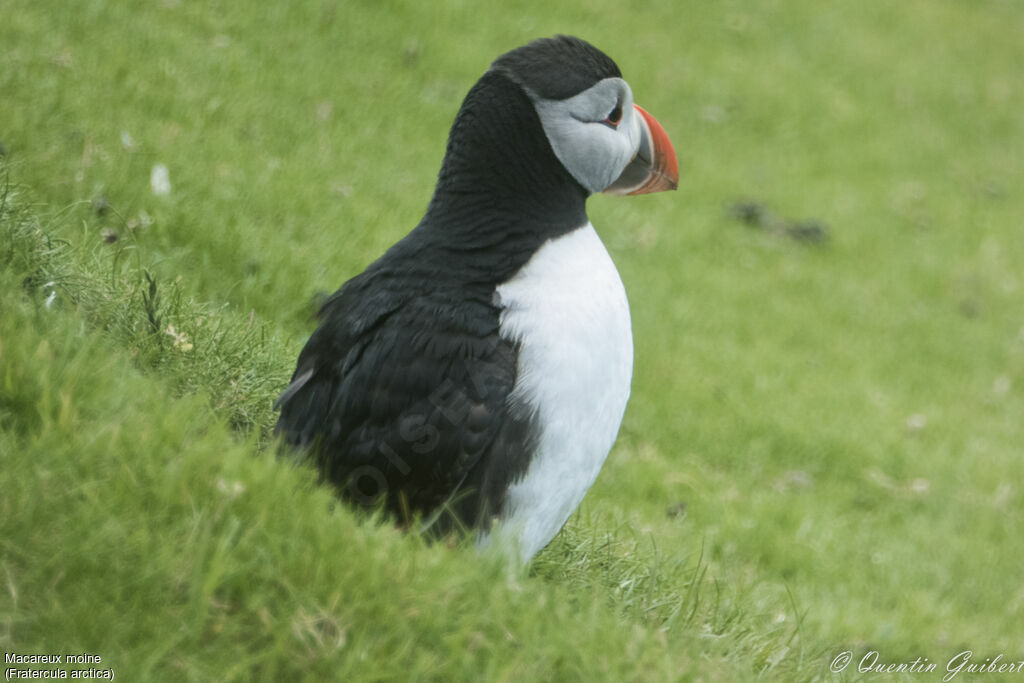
402	392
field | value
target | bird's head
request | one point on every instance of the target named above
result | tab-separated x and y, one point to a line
604	140
546	126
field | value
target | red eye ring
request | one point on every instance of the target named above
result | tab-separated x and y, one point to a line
615	117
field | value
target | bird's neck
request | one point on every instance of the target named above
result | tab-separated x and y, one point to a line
500	184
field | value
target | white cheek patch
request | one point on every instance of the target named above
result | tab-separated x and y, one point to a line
593	152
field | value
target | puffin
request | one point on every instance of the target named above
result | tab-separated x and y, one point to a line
474	377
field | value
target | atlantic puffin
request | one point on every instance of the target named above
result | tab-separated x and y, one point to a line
476	374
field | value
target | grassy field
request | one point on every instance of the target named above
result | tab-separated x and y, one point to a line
824	448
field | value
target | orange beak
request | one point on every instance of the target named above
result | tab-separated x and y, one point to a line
655	167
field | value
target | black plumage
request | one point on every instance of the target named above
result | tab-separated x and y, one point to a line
557	68
402	392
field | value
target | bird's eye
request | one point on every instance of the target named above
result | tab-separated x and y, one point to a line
614	117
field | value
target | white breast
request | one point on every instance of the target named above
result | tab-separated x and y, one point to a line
567	309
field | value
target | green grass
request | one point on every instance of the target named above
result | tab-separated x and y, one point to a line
840	420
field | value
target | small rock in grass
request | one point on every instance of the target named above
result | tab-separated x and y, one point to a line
757	215
160	180
676	511
100	205
808	231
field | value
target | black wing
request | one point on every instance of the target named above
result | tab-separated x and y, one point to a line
404	393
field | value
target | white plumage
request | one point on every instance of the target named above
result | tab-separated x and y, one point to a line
568	310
